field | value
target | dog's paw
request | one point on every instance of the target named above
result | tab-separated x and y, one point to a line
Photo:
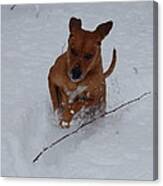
64	124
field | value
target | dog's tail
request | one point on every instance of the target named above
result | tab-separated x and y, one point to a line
112	66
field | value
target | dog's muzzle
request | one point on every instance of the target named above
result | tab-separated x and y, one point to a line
76	73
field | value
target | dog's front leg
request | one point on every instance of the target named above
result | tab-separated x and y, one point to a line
68	112
54	94
70	109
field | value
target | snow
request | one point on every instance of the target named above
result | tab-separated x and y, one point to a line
72	111
119	146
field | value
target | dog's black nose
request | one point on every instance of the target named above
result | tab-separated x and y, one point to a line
76	72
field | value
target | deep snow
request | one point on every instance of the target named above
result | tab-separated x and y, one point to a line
117	147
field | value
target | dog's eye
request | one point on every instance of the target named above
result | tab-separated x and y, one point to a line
74	52
88	56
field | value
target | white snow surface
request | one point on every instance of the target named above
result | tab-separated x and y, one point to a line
119	146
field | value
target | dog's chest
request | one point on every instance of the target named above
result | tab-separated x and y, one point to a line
80	92
90	106
84	93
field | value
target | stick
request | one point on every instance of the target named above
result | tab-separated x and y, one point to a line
88	123
12	7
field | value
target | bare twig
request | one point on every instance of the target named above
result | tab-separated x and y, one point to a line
12	7
88	123
37	9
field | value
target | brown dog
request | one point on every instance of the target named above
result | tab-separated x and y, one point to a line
77	80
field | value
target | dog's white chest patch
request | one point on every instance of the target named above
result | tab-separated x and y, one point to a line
73	94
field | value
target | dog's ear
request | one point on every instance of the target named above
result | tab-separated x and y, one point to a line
104	29
74	24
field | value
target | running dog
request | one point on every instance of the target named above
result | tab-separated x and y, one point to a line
77	79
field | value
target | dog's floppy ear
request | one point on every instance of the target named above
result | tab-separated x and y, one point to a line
74	24
104	28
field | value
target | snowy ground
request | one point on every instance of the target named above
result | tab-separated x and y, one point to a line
117	147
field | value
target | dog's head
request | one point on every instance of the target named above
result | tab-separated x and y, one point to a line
84	48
